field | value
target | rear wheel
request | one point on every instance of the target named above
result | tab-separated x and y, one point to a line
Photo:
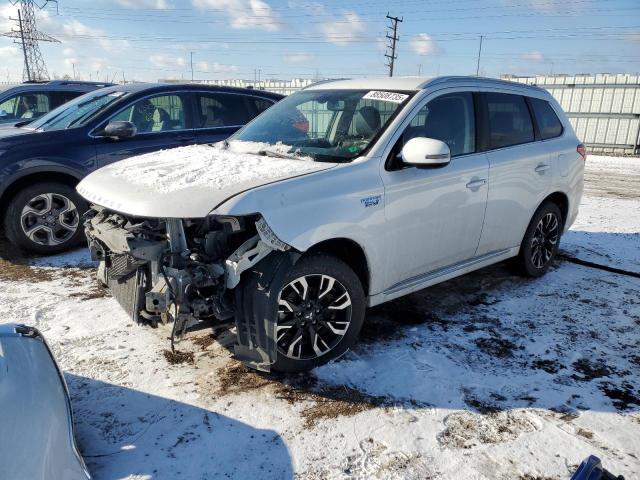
320	313
45	218
541	241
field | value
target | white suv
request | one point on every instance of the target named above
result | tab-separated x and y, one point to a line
344	195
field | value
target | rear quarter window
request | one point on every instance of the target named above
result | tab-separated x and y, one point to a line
549	124
260	105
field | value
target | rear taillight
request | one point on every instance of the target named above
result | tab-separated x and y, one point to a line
582	150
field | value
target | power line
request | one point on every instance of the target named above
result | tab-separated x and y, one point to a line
393	39
277	19
28	36
269	11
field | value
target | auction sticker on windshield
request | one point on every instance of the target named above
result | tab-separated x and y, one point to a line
385	96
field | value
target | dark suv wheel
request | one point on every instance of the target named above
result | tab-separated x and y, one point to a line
321	307
45	218
541	240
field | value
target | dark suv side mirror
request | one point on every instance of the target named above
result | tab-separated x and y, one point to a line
120	130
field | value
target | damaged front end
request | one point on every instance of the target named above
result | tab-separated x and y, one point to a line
190	272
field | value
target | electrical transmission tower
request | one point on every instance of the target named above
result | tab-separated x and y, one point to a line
28	36
392	45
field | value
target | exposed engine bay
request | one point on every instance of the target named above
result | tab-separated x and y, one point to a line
189	272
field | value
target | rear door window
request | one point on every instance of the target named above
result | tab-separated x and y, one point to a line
219	110
260	104
25	106
60	98
509	120
549	125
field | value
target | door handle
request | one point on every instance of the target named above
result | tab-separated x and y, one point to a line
543	167
473	184
186	138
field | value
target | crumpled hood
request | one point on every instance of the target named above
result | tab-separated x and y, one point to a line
188	182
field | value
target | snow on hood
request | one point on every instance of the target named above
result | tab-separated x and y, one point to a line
188	182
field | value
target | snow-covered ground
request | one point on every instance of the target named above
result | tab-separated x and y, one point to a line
488	376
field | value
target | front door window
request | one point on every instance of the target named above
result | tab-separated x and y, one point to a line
164	113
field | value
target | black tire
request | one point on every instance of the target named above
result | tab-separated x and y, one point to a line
310	267
63	227
541	241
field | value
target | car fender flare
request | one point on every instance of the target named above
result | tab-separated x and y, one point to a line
38	166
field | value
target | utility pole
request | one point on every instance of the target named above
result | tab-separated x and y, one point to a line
393	39
191	55
28	36
479	54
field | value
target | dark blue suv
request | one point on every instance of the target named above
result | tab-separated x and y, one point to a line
43	160
30	100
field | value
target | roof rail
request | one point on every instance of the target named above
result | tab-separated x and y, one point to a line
322	82
482	80
80	82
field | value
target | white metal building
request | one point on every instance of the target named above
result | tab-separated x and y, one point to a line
283	87
603	108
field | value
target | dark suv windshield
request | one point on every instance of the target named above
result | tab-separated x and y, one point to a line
327	125
77	112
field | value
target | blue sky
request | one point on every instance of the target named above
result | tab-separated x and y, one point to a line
152	39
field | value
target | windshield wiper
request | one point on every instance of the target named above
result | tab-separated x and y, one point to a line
271	153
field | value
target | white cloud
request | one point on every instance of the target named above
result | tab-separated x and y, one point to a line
244	13
423	44
346	29
77	29
79	32
184	63
113	45
297	57
153	4
553	6
220	68
632	37
166	61
6	11
9	50
533	56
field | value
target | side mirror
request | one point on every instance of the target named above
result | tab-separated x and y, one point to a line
426	152
120	130
3	113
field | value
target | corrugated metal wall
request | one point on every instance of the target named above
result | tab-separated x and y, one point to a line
604	109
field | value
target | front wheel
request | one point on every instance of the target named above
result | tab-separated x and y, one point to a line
541	241
45	218
321	309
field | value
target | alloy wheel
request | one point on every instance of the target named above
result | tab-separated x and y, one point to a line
314	314
545	238
49	219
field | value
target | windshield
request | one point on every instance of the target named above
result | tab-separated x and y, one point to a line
327	125
77	112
